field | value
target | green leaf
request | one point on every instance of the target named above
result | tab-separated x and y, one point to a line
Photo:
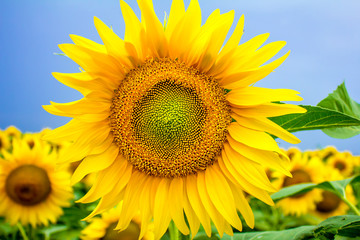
304	232
52	229
337	187
340	101
316	117
347	225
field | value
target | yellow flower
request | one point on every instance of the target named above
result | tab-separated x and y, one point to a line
327	152
13	132
5	143
343	162
304	170
103	228
170	115
332	205
31	191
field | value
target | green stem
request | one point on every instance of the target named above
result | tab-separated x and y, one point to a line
173	231
22	231
352	206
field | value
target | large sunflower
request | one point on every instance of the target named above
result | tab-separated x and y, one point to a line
169	114
31	191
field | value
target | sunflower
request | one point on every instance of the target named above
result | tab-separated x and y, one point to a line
342	161
5	143
304	169
103	228
327	152
332	205
13	132
31	191
169	114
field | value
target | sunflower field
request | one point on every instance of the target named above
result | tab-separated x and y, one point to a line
173	139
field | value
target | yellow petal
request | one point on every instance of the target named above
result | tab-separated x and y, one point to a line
252	171
217	188
186	30
251	96
133	29
153	28
225	65
131	199
98	64
266	158
161	214
82	106
244	183
215	216
253	138
262	55
87	43
85	83
266	125
268	110
123	52
176	195
221	27
245	78
196	204
177	11
68	132
193	221
94	163
234	39
243	205
107	179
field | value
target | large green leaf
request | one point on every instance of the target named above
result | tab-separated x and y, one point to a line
337	115
340	101
316	117
347	225
304	232
337	187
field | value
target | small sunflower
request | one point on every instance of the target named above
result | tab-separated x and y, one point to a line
103	228
332	205
169	114
304	169
327	152
31	191
13	132
5	143
342	161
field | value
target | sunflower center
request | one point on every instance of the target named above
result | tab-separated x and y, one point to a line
329	203
299	176
340	165
28	185
132	232
168	119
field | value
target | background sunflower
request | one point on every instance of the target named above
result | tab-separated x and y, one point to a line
31	190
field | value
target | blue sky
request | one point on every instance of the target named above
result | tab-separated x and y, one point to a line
323	36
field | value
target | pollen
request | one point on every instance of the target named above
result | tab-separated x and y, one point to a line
169	119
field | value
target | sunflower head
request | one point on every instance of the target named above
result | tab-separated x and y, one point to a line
304	169
330	204
13	132
173	109
343	162
31	185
